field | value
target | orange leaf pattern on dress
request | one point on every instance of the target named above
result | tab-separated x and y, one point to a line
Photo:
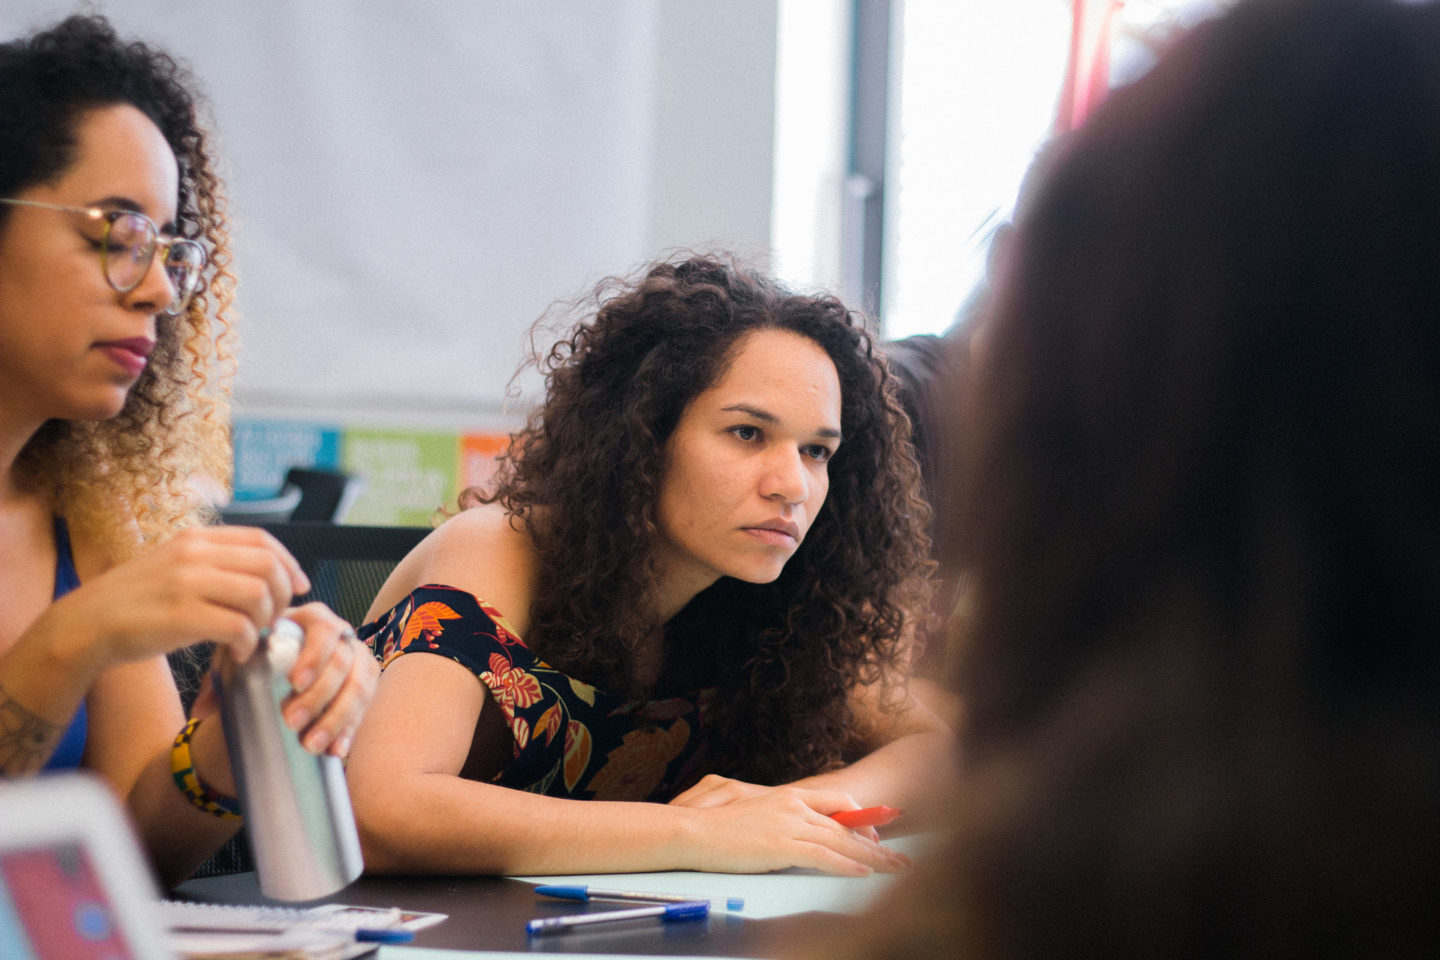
500	694
633	770
424	624
577	752
549	723
503	631
582	690
514	686
612	747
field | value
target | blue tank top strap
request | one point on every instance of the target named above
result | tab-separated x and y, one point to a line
72	744
66	579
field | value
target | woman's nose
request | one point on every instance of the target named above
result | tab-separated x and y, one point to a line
155	291
785	477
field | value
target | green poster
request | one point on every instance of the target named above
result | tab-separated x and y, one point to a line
407	476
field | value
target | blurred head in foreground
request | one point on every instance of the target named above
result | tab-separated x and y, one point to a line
1204	519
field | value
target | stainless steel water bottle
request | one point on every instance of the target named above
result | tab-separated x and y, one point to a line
296	804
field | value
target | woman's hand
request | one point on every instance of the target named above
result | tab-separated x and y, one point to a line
714	790
749	828
334	678
224	584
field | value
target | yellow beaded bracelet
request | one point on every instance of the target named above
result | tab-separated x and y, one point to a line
182	768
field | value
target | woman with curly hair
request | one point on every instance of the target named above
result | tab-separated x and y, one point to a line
694	583
114	292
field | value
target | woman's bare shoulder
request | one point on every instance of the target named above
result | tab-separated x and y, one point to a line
484	551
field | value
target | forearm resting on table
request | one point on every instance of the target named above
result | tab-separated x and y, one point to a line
441	823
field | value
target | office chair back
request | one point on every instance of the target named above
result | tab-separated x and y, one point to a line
325	495
276	509
346	565
308	495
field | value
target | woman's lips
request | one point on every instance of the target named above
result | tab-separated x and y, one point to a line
773	538
130	354
778	533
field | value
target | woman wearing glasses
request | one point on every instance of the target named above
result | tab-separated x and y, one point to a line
113	351
695	585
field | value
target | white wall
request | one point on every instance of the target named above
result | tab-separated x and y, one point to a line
414	183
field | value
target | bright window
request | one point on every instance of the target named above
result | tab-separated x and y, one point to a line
973	94
973	91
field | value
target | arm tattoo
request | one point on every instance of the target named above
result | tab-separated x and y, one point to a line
26	740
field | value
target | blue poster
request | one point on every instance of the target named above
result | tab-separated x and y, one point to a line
265	449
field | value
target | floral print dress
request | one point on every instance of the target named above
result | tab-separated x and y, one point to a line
570	738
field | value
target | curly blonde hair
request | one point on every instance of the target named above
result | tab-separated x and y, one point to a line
128	481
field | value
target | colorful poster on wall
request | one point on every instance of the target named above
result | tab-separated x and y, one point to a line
477	457
407	475
265	449
404	475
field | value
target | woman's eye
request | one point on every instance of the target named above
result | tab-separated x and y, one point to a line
110	247
819	453
746	432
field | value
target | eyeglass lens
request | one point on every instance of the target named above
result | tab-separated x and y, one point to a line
183	262
129	249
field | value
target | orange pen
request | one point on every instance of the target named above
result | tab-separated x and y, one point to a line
866	816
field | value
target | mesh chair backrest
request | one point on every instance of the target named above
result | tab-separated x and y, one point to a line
346	565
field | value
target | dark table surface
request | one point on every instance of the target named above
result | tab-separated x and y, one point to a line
489	913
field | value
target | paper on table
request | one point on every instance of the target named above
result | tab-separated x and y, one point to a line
266	945
216	931
776	894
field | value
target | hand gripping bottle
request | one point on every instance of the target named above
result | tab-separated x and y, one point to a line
296	804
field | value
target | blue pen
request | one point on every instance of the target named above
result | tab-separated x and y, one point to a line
581	892
694	910
384	936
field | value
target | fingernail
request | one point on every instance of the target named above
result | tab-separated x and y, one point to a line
341	748
303	679
314	741
297	717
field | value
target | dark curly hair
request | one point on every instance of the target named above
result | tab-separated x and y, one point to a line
584	475
134	468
